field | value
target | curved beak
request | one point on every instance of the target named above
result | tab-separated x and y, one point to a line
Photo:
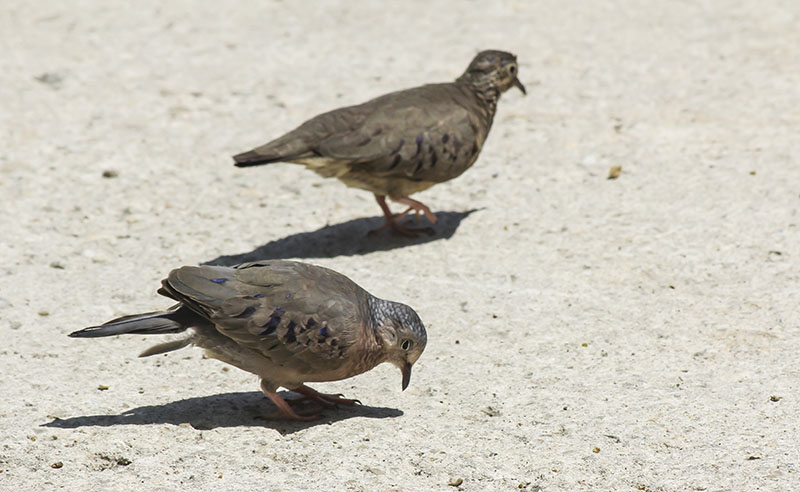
406	370
519	86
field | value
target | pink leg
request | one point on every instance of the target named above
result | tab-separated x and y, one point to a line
393	220
325	399
284	410
417	207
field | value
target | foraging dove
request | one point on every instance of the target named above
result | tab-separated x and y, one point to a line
403	142
287	322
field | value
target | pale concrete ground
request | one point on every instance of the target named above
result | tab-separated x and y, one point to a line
585	334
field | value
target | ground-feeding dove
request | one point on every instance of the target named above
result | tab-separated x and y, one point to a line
403	142
287	322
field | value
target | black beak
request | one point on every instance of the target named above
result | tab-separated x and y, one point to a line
406	375
519	86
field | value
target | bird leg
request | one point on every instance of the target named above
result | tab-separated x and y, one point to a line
392	220
284	410
417	207
328	400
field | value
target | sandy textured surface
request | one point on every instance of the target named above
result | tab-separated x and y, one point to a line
584	333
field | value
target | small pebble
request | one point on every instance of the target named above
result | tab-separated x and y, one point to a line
102	387
614	172
456	483
110	173
57	465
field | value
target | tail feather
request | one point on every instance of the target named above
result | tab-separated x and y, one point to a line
155	323
165	347
252	158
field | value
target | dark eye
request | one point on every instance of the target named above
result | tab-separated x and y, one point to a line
406	344
512	69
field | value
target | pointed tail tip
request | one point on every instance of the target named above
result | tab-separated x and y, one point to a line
86	333
246	159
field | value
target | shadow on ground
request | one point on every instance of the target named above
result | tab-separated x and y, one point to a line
346	239
223	410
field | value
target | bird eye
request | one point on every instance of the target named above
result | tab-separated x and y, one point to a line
406	344
512	69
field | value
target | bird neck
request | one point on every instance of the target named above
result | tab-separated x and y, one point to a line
483	88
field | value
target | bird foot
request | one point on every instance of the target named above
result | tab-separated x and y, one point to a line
392	221
285	412
418	208
328	400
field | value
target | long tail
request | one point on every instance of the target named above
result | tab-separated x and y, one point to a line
251	158
174	320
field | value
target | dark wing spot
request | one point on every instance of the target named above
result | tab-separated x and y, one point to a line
434	158
474	148
219	280
288	296
334	342
273	322
269	331
259	296
364	142
419	144
290	336
278	311
291	325
275	345
445	138
430	149
395	162
311	322
323	332
399	146
249	310
419	166
377	132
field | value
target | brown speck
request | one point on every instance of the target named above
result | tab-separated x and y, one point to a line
50	78
456	483
110	173
751	458
491	411
44	313
596	450
102	387
752	173
614	172
775	398
57	465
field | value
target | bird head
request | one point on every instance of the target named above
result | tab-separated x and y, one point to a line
493	70
401	334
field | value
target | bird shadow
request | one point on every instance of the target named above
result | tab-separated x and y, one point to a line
346	239
223	410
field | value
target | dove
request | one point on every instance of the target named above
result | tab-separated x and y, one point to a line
287	322
404	142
